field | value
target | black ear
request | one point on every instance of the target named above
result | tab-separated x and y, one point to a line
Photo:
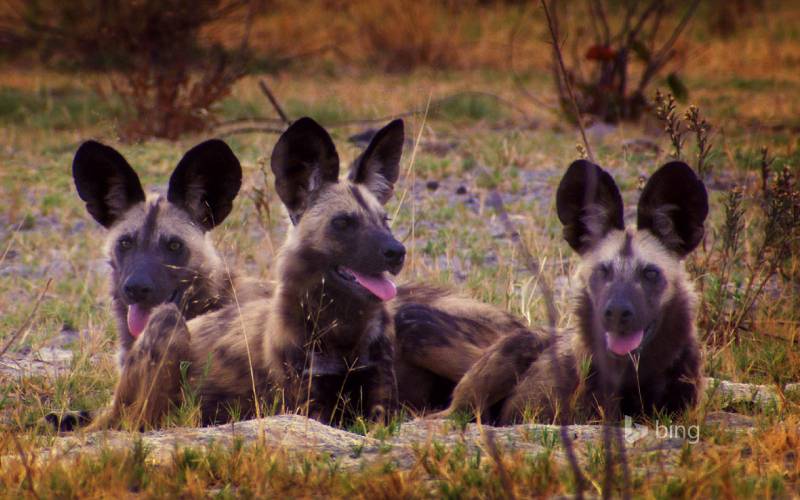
674	206
105	181
379	165
205	182
304	159
588	204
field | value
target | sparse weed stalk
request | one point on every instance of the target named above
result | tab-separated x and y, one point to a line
667	114
702	132
718	294
753	253
262	196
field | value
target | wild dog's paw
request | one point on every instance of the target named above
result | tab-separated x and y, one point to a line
379	414
166	325
67	421
438	415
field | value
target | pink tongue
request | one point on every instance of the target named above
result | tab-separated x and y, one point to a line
137	319
383	288
623	345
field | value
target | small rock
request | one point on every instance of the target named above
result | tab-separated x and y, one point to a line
432	185
730	420
461	190
641	145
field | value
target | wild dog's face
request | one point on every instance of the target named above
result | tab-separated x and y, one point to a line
341	228
628	275
157	247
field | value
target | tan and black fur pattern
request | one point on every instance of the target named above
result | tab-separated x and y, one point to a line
439	337
158	246
629	280
322	338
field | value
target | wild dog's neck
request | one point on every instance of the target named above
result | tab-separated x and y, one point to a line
321	313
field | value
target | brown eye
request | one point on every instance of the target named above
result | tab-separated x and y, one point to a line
174	246
125	243
604	271
651	274
342	222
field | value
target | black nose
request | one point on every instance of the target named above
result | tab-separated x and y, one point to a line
138	289
618	313
395	254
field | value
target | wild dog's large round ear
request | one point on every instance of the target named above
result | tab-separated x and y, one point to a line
378	167
674	206
304	159
205	182
588	204
105	181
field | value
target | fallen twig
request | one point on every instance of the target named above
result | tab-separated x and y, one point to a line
265	89
268	125
248	130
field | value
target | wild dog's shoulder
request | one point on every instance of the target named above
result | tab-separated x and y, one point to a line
248	289
230	324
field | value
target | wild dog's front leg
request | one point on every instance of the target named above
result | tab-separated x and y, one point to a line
493	377
150	382
380	391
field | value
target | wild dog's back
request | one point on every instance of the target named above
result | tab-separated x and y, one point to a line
439	336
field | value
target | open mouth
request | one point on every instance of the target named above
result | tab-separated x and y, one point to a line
622	345
379	285
138	314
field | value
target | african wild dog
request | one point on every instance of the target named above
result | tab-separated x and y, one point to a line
635	344
158	247
324	335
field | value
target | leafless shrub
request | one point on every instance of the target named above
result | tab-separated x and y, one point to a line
160	69
738	274
608	90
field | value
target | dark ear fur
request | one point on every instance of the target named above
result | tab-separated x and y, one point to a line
588	204
205	182
304	159
674	206
105	181
378	166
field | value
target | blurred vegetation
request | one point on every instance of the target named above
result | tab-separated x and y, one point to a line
159	65
171	63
